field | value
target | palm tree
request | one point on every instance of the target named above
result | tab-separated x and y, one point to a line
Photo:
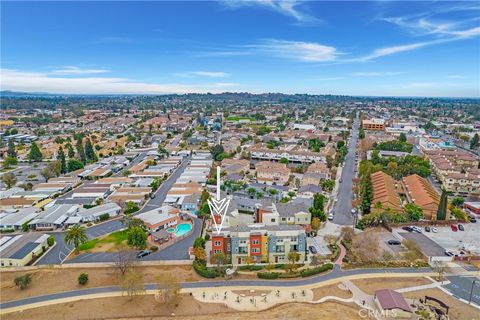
76	235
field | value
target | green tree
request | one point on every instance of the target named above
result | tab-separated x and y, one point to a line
284	160
47	173
35	154
61	159
70	151
131	207
458	201
216	151
11	152
76	235
74	164
414	212
9	161
475	142
89	152
81	151
9	180
442	206
361	134
402	137
137	237
317	209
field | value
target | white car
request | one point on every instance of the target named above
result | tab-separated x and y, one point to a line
434	229
330	216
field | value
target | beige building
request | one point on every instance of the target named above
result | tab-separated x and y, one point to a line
272	173
19	250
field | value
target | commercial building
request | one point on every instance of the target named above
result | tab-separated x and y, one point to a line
374	124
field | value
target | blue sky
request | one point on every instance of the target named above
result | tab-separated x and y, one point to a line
353	48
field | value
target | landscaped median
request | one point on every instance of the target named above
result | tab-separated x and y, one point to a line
109	243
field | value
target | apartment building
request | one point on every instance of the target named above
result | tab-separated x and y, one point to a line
421	193
258	243
385	193
272	173
284	213
301	156
373	124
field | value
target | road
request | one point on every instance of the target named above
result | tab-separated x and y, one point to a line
337	273
343	206
461	286
61	250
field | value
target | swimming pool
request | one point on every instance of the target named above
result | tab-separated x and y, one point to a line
182	229
170	230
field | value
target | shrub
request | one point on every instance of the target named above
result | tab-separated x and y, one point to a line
268	275
207	237
23	281
316	270
202	270
251	267
103	217
50	241
83	279
7	230
153	248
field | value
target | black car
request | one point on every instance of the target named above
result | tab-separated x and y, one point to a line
472	219
409	229
461	227
143	253
313	249
394	242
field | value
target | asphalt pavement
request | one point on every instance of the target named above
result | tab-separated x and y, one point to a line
343	206
464	287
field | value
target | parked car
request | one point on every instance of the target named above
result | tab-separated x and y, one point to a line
143	253
434	229
472	219
449	253
461	227
454	227
427	229
330	216
409	229
313	249
394	242
416	229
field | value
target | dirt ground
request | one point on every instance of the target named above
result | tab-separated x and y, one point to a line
145	307
458	309
370	285
331	290
45	281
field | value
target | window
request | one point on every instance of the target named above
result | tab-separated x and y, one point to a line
272	220
255	241
218	243
255	250
283	219
217	251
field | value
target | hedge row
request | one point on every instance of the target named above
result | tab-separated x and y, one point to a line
268	275
251	267
205	272
316	270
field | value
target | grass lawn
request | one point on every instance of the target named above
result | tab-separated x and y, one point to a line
111	241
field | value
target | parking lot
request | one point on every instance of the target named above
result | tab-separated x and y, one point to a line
454	241
429	247
27	172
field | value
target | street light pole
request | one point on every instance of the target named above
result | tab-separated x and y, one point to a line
471	292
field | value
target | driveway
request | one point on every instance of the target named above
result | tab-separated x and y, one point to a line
343	206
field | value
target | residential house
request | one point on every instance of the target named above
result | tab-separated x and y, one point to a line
419	191
160	218
20	250
272	173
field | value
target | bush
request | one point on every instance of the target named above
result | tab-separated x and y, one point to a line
7	230
83	279
153	248
268	275
251	267
50	241
23	281
205	272
316	270
207	237
103	217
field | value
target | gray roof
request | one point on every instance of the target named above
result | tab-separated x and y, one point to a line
310	188
289	209
23	251
17	247
247	202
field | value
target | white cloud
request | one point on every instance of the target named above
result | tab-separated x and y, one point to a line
328	79
414	85
375	74
208	74
297	50
288	8
72	70
42	82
